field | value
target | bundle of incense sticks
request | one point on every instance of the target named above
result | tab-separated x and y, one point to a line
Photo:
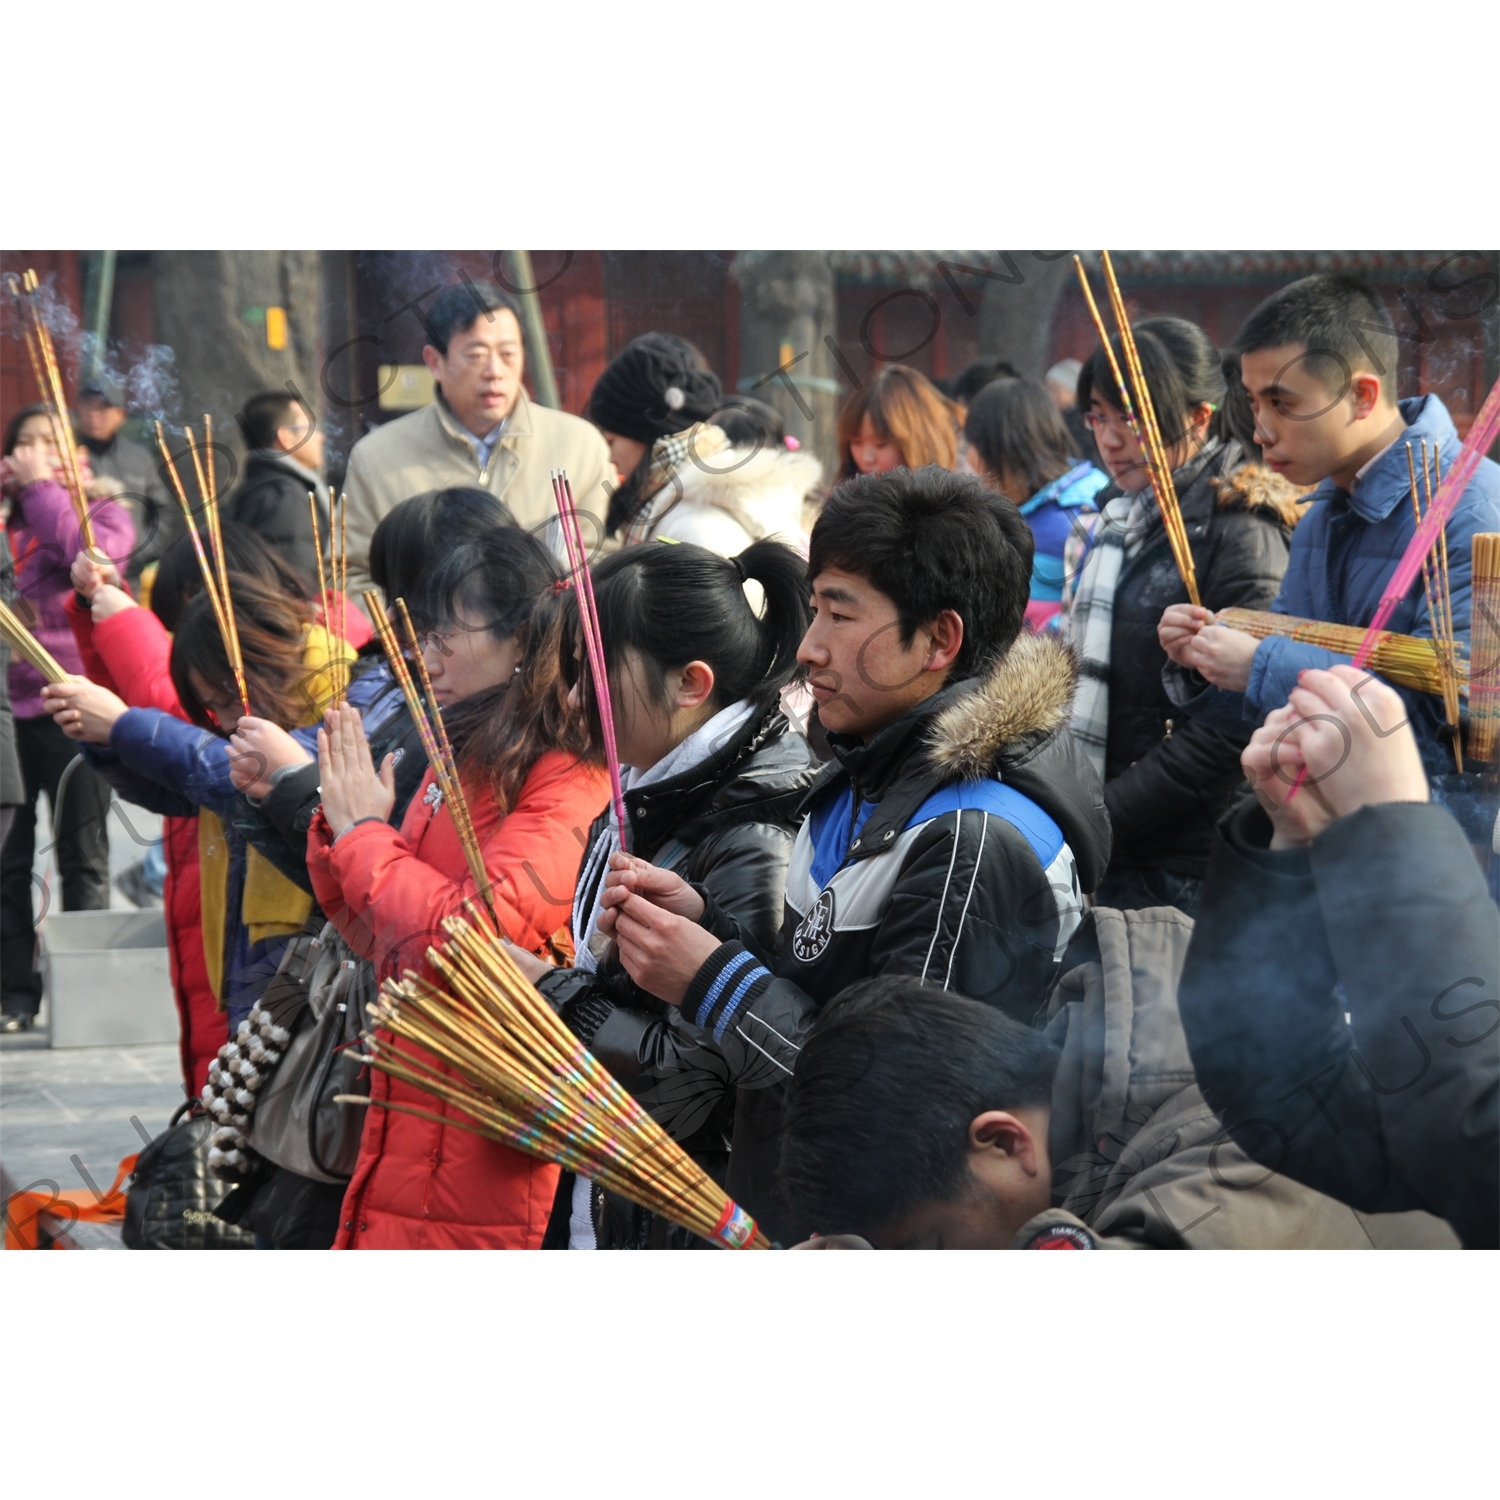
524	1079
334	598
1484	650
27	647
47	373
1455	482
1439	595
1140	413
588	616
1410	661
215	572
428	717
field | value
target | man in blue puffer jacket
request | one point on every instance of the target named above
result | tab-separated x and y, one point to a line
1319	361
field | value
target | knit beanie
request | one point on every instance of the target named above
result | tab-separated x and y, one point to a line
655	386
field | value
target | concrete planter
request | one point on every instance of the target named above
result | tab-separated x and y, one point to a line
108	984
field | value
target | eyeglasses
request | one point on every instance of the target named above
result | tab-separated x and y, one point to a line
1094	420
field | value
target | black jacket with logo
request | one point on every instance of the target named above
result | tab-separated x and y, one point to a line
955	846
727	826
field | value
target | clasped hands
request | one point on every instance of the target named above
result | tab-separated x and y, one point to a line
1223	656
351	787
97	579
1343	741
652	916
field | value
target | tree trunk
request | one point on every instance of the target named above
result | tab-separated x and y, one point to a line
1015	319
787	308
210	308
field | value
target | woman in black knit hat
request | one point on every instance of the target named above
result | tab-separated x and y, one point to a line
656	387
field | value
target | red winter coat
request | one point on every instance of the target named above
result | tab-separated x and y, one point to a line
419	1185
129	653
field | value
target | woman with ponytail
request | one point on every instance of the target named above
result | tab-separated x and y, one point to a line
714	779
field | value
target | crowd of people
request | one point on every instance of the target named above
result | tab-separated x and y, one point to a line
976	888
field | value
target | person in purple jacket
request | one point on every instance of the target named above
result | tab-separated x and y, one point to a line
43	534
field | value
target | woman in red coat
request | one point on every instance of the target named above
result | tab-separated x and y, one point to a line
532	794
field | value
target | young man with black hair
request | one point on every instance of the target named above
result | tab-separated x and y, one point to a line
1319	360
284	464
482	429
919	1120
951	839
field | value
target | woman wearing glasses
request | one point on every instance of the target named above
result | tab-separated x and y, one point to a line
1167	777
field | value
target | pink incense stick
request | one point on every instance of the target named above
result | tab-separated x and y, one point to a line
588	615
1455	482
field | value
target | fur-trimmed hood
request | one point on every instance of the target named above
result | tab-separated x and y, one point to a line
1255	487
1027	696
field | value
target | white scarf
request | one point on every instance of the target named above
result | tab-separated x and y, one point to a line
589	944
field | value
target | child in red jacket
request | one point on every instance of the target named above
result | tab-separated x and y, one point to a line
521	746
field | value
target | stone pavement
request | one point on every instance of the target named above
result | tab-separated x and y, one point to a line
80	1103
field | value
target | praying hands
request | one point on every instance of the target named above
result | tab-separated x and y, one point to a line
352	789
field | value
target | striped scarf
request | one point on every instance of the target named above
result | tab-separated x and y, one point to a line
1091	623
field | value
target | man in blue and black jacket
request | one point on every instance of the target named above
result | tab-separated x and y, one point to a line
952	838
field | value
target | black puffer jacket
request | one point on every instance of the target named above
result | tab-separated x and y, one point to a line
956	846
271	499
1340	1004
1168	776
727	826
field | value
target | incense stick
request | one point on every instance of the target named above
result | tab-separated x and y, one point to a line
1443	632
520	1077
1484	650
449	785
1127	406
26	645
461	814
588	616
323	596
216	543
343	599
1455	482
48	376
219	605
1410	661
1155	453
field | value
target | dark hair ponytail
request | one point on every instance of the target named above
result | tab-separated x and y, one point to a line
1182	369
674	602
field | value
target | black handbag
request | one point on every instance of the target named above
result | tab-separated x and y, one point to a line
170	1205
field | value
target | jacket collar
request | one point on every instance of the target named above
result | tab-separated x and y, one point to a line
967	732
661	809
517	425
1386	483
274	458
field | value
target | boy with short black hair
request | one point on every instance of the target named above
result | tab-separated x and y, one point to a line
919	1120
1319	360
954	835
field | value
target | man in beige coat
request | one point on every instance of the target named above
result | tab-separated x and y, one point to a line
481	430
